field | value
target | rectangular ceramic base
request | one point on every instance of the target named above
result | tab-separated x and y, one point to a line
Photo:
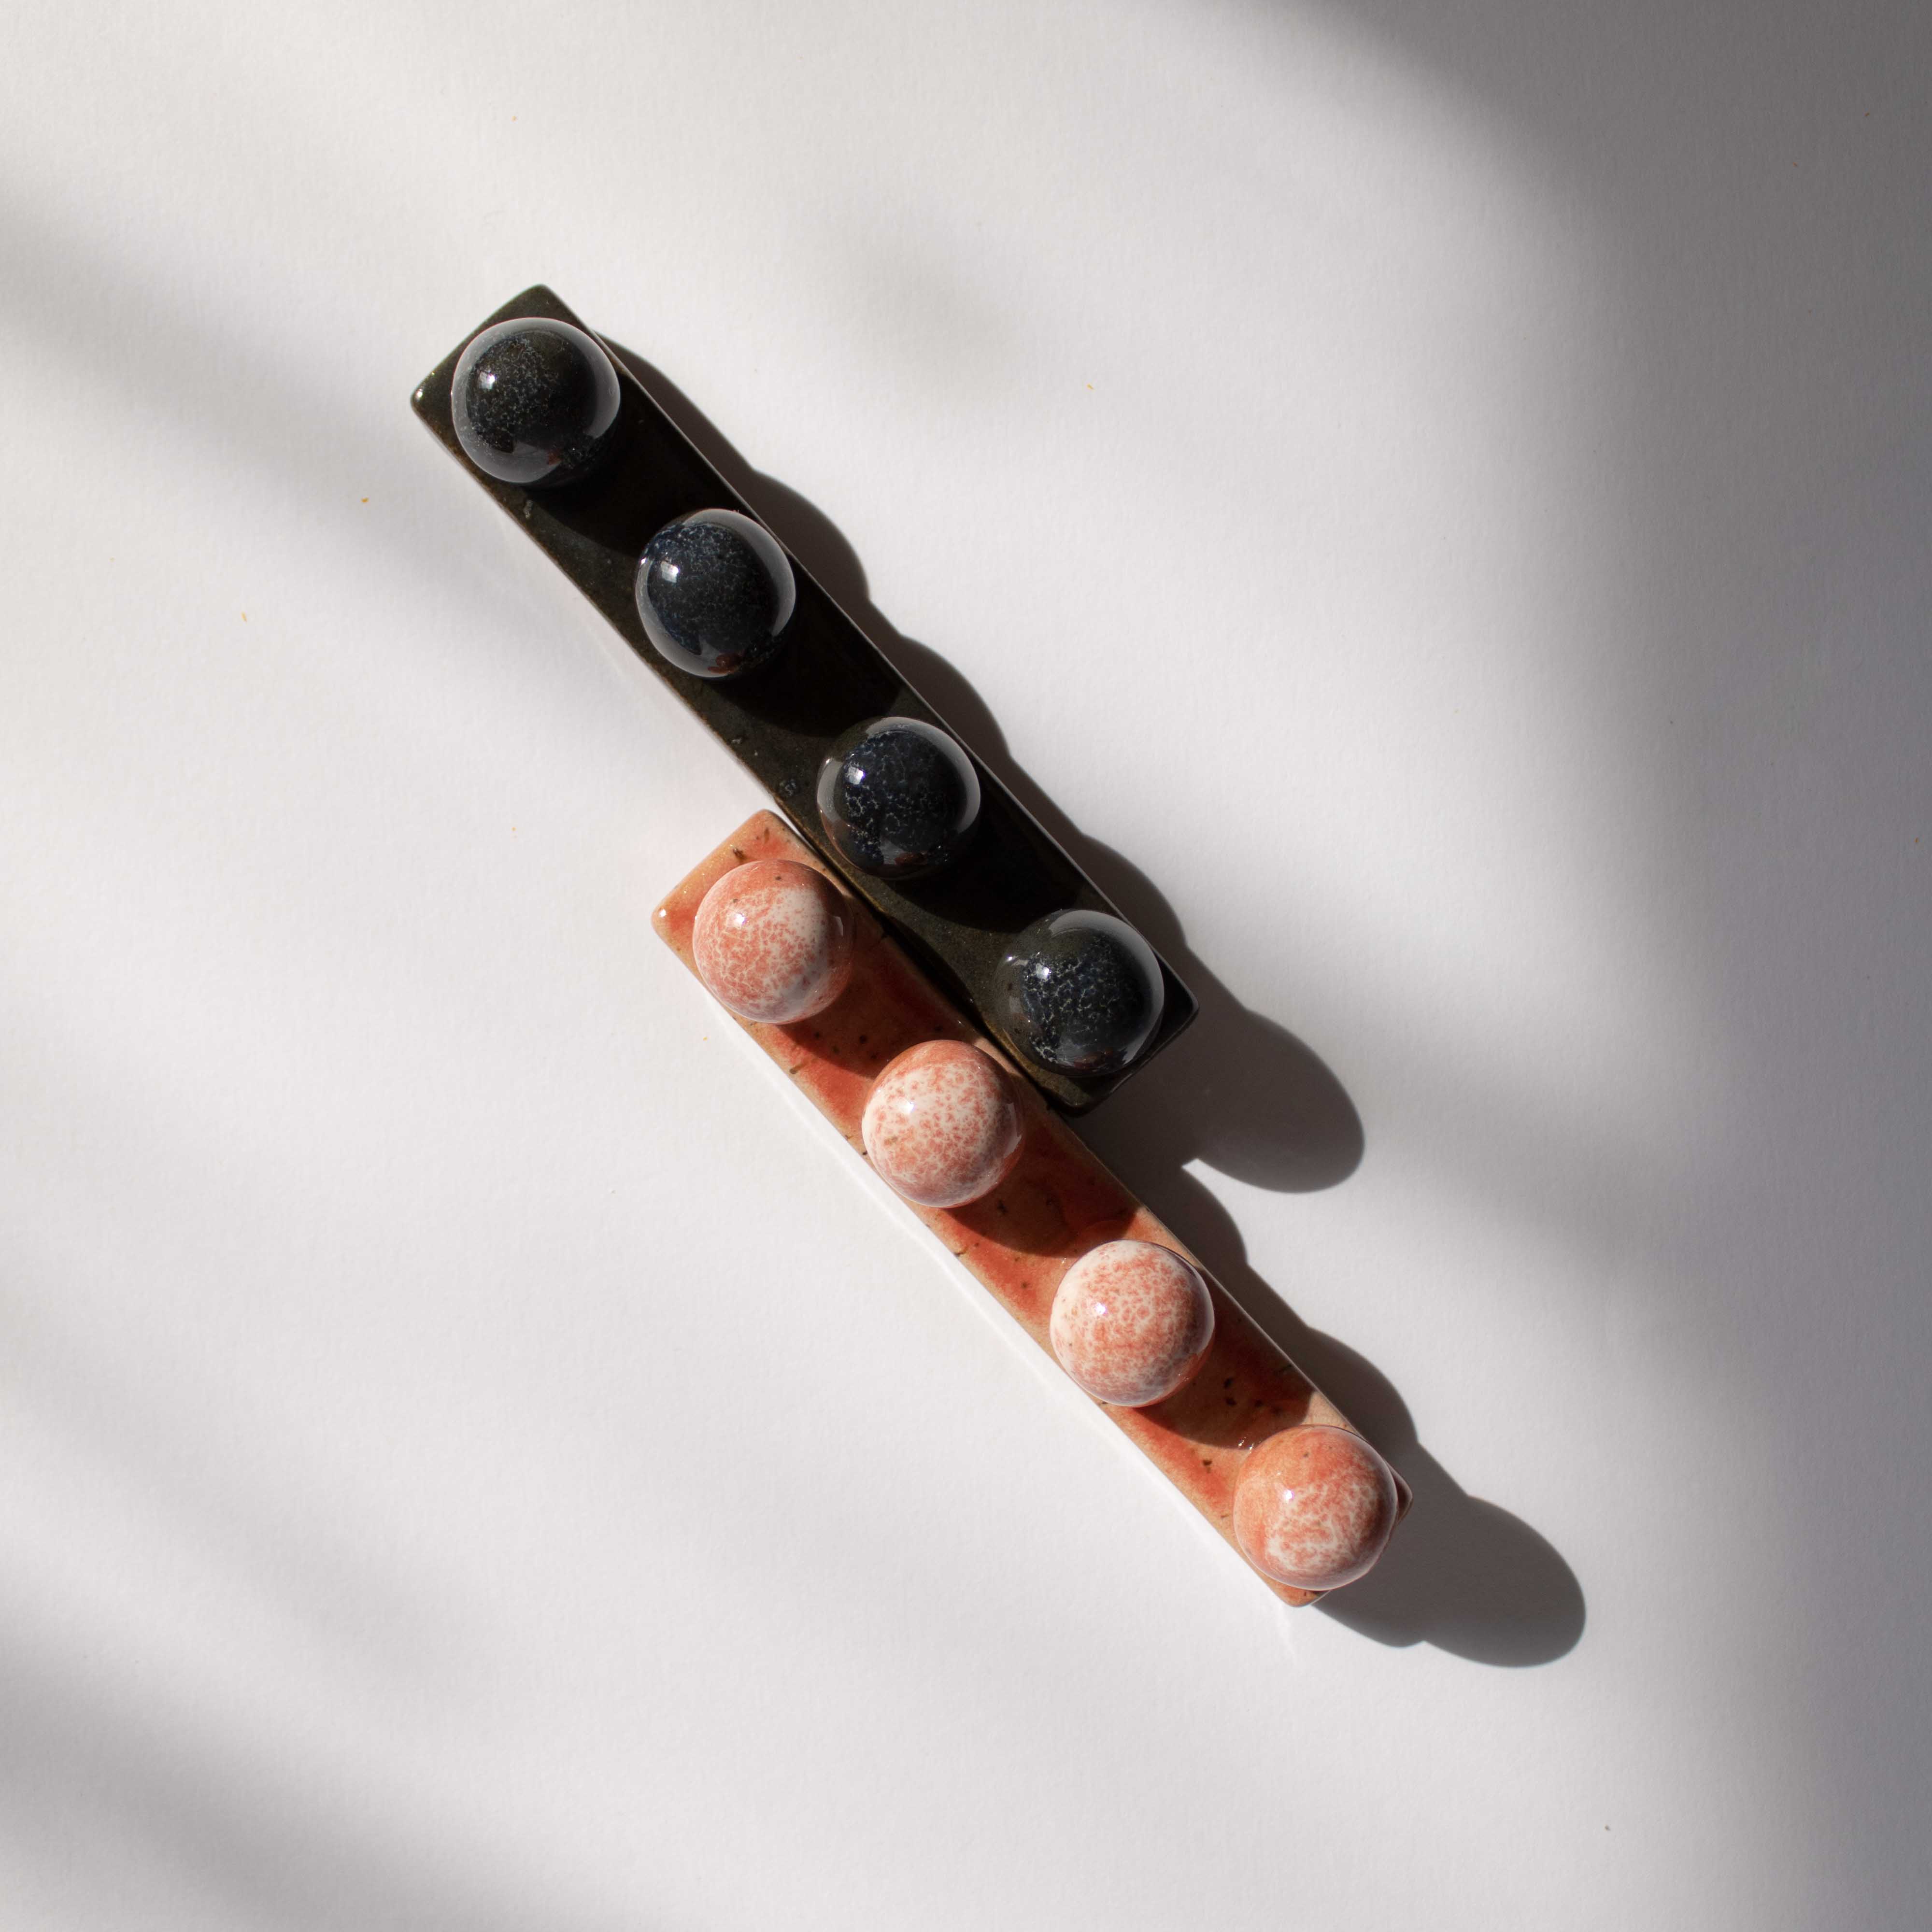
781	722
1058	1202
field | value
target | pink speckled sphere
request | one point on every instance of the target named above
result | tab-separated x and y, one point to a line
1314	1507
942	1125
1131	1322
773	940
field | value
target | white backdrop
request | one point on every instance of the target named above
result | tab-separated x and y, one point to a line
1435	496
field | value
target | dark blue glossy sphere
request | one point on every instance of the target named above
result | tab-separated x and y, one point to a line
1080	992
715	591
899	798
534	402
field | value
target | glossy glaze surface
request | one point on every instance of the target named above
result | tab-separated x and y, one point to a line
534	401
942	1124
1314	1508
772	940
899	798
714	591
1080	992
1131	1322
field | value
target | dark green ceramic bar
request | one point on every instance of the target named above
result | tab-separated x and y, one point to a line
781	721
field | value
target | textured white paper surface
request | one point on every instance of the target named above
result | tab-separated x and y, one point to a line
1437	497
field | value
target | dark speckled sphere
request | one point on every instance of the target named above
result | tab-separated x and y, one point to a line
1080	992
715	591
899	798
534	402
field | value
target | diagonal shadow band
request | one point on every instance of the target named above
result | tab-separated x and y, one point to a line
1253	1101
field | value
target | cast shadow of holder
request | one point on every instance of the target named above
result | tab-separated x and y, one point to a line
1247	1097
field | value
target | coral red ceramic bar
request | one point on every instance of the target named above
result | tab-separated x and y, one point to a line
1059	1200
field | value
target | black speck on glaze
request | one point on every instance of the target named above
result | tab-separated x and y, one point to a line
534	402
899	798
714	591
1080	992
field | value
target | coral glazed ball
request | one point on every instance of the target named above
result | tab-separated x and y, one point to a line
1131	1322
1314	1507
942	1125
773	940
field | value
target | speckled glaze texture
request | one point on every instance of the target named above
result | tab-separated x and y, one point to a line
1081	992
1314	1508
715	593
942	1125
534	402
1131	1322
772	940
1059	1201
899	798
